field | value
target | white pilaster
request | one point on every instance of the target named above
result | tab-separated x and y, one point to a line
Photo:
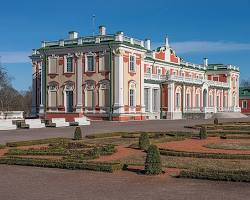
118	82
34	87
41	109
171	99
142	85
79	83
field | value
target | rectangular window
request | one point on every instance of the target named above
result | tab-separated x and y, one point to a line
244	104
104	98
53	98
90	63
131	97
104	62
69	67
132	63
148	70
52	66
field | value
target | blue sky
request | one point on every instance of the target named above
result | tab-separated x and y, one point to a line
217	29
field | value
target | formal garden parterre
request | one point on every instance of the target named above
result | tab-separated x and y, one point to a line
218	151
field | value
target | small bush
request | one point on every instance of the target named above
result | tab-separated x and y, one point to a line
216	121
144	141
203	132
78	133
153	161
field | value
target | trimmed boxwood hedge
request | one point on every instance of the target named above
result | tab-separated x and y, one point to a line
95	166
36	142
236	175
169	152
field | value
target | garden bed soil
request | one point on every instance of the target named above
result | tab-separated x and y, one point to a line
196	145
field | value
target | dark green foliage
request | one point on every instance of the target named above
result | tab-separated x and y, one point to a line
144	141
216	121
35	142
153	161
95	166
232	175
203	132
169	152
78	133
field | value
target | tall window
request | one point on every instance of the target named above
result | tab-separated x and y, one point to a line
197	100
188	101
69	67
103	62
90	63
52	101
132	63
104	94
156	100
89	95
178	95
52	65
244	104
132	97
146	99
211	103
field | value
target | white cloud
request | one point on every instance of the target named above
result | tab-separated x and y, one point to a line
15	57
207	46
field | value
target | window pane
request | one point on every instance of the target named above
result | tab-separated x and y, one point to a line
90	63
146	96
69	64
53	66
132	63
132	97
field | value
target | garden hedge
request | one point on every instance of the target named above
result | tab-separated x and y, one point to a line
95	166
35	142
169	152
236	175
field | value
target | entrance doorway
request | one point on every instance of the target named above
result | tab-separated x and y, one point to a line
204	98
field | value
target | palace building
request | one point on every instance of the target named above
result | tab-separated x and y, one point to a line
116	77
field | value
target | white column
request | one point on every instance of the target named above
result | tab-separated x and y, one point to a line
79	84
142	85
118	82
34	88
215	100
150	99
42	90
171	99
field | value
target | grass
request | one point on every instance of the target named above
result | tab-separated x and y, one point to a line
229	146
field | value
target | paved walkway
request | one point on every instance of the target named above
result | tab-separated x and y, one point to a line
103	127
31	183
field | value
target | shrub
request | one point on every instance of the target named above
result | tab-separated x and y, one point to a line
144	141
216	121
78	133
153	161
203	132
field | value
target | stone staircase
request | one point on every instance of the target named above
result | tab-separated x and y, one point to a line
82	121
6	124
35	123
221	115
59	122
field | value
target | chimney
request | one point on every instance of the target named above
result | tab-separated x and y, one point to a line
166	41
147	44
119	36
205	61
73	35
102	30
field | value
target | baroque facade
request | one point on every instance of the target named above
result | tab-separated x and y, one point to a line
116	77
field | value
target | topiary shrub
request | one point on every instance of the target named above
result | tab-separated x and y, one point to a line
78	133
144	141
216	121
153	161
203	132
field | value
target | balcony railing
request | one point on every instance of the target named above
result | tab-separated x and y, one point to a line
184	79
211	109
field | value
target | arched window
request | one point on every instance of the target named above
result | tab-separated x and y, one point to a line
52	95
132	94
178	98
197	98
211	99
104	93
188	98
89	94
68	96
